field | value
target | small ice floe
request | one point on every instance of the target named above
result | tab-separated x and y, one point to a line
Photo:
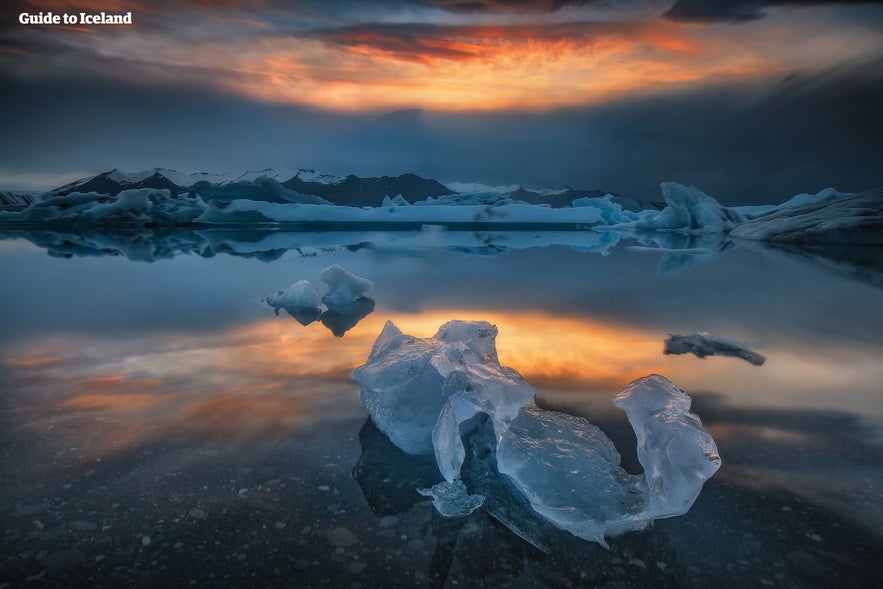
342	306
300	300
704	344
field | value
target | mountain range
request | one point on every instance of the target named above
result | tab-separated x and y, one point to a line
308	186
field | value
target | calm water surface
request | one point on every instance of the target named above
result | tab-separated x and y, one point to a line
159	426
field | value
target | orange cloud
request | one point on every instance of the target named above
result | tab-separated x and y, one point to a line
32	361
483	67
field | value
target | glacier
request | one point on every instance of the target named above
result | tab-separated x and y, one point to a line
704	344
449	396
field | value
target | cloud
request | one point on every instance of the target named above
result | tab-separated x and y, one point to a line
742	143
739	11
425	42
509	6
384	55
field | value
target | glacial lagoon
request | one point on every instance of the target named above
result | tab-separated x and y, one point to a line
161	426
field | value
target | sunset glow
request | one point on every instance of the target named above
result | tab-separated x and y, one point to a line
434	58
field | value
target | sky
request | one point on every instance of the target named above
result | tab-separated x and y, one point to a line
750	100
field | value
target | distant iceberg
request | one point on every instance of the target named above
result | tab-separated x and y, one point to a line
835	218
704	344
688	210
444	394
344	286
300	300
342	306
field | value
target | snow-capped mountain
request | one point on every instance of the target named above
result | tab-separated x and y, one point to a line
349	190
271	184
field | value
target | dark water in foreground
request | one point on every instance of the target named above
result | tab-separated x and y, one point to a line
159	426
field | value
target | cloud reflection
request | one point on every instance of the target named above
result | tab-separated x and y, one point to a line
261	380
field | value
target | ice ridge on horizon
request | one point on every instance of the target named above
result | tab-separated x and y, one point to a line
158	198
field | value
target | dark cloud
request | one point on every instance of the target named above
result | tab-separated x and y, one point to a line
736	11
509	6
740	143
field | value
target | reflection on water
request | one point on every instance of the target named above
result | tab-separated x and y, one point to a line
159	425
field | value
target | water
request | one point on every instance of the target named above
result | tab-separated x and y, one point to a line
160	426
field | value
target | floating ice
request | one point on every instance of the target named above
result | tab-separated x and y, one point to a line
344	287
430	395
687	210
340	309
704	344
300	300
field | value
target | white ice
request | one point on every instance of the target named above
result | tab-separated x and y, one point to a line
344	287
300	300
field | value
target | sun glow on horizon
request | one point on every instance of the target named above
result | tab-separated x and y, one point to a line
437	60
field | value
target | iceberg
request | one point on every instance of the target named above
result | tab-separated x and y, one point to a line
300	300
344	287
136	207
833	218
687	210
449	396
340	309
704	344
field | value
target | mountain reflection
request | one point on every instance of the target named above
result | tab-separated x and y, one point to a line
149	245
680	251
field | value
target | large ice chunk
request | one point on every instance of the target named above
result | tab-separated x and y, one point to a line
704	344
677	454
433	394
569	472
408	383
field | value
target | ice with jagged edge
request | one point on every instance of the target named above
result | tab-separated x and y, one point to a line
704	344
422	392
